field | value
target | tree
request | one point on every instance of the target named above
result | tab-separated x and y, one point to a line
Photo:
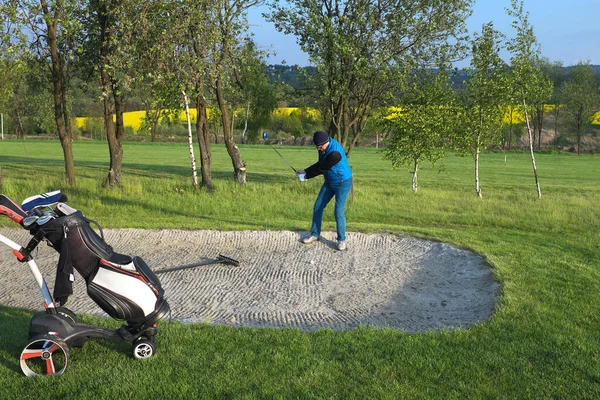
256	93
557	76
418	130
362	50
232	24
581	98
55	40
14	59
107	24
179	61
484	99
529	81
539	101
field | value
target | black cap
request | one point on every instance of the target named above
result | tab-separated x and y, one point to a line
320	138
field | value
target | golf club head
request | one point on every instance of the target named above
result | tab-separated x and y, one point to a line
44	219
228	261
30	220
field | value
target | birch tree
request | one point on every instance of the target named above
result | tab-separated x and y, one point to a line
485	98
417	131
169	65
529	81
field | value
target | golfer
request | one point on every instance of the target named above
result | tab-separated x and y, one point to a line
333	165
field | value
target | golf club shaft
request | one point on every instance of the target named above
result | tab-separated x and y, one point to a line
220	260
283	158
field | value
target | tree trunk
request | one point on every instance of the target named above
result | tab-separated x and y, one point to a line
510	131
114	175
190	141
579	129
19	130
203	135
557	110
216	129
537	182
61	113
414	178
153	118
115	138
154	130
540	122
114	135
246	122
477	188
360	127
239	167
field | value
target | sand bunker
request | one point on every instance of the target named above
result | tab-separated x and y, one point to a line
381	280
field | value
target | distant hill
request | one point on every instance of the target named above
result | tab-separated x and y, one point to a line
595	67
292	75
289	74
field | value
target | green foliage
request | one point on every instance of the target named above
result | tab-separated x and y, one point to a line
418	131
362	50
581	98
531	84
284	125
483	103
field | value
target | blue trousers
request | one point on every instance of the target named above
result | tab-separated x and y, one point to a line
328	191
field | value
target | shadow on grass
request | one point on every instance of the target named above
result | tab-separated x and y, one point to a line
165	211
144	170
15	331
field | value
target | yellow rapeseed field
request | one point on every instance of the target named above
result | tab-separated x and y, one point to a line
134	118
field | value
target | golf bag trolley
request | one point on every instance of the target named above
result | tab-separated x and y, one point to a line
123	286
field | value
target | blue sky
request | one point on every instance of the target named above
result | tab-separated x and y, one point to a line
568	31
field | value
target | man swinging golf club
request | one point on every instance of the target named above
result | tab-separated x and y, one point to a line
334	167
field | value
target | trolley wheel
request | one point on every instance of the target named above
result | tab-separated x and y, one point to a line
65	312
45	355
143	348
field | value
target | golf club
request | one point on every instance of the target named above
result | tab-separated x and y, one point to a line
221	259
283	158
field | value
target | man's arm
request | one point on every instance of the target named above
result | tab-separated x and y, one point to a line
323	166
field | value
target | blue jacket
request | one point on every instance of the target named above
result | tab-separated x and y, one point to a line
340	172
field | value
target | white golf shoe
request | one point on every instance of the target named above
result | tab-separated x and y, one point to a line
309	239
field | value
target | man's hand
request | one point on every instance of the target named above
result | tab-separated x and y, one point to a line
301	175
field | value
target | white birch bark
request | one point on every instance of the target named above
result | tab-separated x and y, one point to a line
477	188
245	123
190	141
414	179
537	182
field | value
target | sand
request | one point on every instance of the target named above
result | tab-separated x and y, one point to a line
381	280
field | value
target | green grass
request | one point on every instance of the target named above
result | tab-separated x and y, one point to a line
542	342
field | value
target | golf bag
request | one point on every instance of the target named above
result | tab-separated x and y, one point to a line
123	286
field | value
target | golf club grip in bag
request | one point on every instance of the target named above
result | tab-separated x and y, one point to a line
123	286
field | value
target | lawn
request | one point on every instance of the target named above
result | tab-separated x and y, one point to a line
542	342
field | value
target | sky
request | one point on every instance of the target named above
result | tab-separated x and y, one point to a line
567	30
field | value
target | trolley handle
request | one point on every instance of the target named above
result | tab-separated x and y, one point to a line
11	209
